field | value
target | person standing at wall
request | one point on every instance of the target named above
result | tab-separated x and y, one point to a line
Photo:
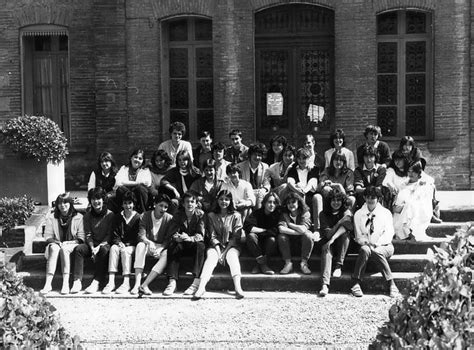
237	151
176	143
372	136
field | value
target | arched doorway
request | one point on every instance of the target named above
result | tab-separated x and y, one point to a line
294	49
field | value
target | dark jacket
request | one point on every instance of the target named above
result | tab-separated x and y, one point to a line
125	233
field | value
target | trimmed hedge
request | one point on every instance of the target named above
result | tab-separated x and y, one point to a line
436	311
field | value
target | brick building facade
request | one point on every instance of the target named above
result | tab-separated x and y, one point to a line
132	66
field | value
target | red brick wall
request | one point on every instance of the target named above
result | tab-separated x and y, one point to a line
116	85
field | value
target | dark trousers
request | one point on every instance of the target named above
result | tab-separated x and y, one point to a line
101	262
261	244
338	249
307	244
177	249
141	194
379	255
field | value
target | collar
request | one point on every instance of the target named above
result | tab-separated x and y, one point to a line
376	167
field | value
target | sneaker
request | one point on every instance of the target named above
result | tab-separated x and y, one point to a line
198	294
134	290
324	291
145	290
123	289
46	290
288	268
93	287
65	289
108	288
170	288
76	287
356	290
304	268
316	236
337	272
191	289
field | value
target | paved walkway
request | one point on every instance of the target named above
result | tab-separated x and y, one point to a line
261	320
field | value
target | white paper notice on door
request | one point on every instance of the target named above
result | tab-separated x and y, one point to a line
274	103
315	113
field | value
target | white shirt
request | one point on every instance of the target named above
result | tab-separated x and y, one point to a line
156	225
382	223
172	151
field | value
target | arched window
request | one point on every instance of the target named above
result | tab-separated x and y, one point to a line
188	94
404	73
294	48
45	73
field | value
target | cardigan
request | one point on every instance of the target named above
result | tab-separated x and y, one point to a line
374	177
301	219
52	232
274	174
346	179
98	179
224	233
145	229
261	180
123	232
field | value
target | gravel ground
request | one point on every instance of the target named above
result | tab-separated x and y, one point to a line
262	320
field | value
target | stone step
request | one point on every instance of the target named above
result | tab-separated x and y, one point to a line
373	283
443	229
398	263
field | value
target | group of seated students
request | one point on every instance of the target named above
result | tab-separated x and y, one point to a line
210	202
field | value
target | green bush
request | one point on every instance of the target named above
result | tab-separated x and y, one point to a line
435	313
15	211
36	137
27	319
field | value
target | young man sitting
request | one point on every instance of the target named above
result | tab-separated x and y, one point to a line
373	227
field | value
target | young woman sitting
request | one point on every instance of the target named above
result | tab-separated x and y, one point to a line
224	229
63	232
153	236
277	173
336	225
178	180
104	176
337	142
134	177
412	209
275	153
395	176
124	241
159	165
295	222
337	176
98	230
208	186
261	228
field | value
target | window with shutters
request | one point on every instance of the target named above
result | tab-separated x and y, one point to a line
405	74
45	68
188	93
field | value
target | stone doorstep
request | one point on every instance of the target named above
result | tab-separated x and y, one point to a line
373	283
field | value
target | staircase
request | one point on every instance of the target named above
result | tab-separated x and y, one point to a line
457	207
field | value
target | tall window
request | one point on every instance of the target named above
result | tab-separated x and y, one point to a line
188	74
294	48
46	73
404	74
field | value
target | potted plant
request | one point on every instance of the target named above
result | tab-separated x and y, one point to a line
39	169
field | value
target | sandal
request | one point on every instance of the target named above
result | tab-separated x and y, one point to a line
356	290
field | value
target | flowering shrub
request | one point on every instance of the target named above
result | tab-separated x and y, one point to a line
15	211
36	137
435	313
27	319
